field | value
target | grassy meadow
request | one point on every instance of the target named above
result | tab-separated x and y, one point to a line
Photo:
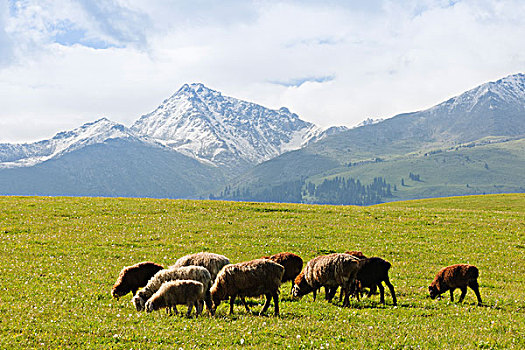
61	256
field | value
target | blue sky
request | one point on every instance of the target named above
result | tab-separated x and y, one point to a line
67	62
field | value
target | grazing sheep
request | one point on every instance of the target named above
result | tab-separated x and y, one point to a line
330	292
211	261
373	271
292	263
131	278
179	292
248	279
327	271
456	276
194	273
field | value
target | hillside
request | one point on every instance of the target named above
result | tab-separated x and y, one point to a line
62	255
488	120
113	168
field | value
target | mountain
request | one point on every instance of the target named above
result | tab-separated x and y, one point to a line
492	113
225	131
102	159
20	155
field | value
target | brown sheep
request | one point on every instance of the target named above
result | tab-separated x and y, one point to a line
194	273
248	279
131	278
328	271
456	276
211	261
172	293
292	263
372	272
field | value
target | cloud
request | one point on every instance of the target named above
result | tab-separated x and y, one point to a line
332	62
297	82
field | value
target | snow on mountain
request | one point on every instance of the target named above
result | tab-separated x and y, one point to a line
22	155
204	124
509	90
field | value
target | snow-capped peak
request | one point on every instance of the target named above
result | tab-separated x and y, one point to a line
15	155
510	89
204	124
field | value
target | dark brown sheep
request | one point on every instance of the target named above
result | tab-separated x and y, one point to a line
131	278
248	279
372	272
329	271
456	276
292	263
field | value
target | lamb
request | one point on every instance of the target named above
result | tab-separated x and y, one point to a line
195	273
172	293
211	261
131	278
248	279
329	271
456	276
373	271
292	263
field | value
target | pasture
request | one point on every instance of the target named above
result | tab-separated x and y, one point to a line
59	258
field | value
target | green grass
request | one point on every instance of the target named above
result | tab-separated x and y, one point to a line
60	258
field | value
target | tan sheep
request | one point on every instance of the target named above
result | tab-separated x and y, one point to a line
131	278
195	273
211	261
329	271
248	279
456	276
180	292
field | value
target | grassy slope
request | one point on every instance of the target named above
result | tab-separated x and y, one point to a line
448	173
60	257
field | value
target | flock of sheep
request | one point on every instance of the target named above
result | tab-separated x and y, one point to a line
208	278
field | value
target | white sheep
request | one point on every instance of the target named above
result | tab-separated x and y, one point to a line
180	292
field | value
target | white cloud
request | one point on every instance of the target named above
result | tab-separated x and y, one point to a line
332	63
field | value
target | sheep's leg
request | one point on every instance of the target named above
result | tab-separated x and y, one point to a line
346	289
452	295
475	287
276	302
246	305
207	299
382	292
190	307
463	293
266	304
199	305
315	293
232	300
392	292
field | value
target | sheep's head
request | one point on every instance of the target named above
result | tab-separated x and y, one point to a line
138	302
301	287
149	306
119	290
434	291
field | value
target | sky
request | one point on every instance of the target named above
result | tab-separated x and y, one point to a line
64	63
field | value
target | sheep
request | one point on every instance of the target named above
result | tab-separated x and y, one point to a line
248	279
195	273
211	261
456	276
131	278
292	263
327	271
330	292
178	292
373	271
